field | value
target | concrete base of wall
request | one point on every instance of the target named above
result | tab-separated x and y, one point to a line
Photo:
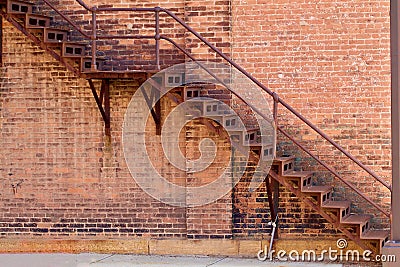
210	247
392	249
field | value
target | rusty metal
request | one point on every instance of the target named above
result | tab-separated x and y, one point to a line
275	108
1	41
102	90
83	5
98	102
334	221
94	40
155	108
157	36
331	170
395	69
107	108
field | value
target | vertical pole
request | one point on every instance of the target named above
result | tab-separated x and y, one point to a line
394	44
94	39
107	106
1	41
157	37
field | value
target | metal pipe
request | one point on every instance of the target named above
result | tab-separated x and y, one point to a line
395	98
94	39
1	41
84	5
271	243
157	36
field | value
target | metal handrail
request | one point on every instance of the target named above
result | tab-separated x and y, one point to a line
277	100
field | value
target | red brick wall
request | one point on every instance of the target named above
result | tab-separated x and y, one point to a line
75	183
328	60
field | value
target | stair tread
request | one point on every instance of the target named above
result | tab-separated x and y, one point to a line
336	204
51	28
38	15
298	174
356	219
316	189
376	234
97	58
282	159
75	43
19	1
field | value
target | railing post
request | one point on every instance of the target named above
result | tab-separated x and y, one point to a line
1	41
157	36
94	39
275	97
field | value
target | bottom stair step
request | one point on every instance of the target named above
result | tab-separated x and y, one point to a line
376	235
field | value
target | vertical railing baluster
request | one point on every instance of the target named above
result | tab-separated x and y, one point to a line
94	39
157	36
275	111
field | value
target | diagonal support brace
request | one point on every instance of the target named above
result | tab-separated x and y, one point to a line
103	102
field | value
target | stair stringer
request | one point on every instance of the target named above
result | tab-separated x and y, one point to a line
304	198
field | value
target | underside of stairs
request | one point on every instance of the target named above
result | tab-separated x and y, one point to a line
77	56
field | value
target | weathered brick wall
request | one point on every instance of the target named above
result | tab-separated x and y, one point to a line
329	60
73	180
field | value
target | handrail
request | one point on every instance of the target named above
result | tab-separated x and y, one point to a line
277	99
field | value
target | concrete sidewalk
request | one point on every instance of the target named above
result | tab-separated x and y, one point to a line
104	260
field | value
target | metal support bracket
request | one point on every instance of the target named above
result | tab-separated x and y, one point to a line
1	41
154	104
103	102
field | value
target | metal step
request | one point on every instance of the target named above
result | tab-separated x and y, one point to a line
53	35
299	178
86	64
361	222
336	204
340	208
378	238
35	21
283	164
319	193
19	7
356	219
73	49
